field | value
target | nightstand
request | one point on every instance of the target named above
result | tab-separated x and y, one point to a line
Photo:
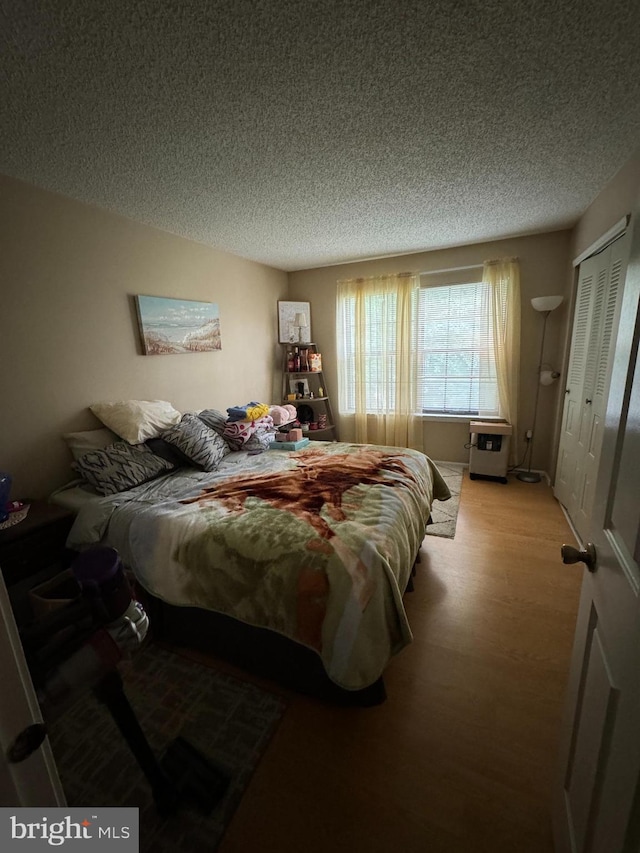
33	551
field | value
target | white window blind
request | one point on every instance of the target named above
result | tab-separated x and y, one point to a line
453	333
457	372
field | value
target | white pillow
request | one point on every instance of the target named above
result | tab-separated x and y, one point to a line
137	420
80	443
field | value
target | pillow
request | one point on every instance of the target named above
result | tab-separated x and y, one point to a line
119	467
202	445
136	420
80	443
213	419
167	451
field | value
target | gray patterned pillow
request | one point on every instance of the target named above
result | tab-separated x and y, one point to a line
214	419
202	445
120	466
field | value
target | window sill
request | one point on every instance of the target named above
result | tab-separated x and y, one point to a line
455	419
446	419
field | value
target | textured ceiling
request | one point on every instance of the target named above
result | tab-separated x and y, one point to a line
305	133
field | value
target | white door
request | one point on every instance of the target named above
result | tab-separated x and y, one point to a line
34	781
596	807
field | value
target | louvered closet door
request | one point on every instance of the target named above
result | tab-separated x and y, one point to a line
585	402
598	375
571	420
600	285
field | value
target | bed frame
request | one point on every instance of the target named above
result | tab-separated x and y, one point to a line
260	651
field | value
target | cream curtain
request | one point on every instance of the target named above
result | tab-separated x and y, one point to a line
383	358
503	278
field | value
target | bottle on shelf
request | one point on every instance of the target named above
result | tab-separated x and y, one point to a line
290	361
296	360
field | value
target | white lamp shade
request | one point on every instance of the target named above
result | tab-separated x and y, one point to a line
300	320
546	303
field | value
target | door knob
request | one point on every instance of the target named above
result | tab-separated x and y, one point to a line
573	555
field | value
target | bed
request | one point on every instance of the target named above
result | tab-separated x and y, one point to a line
279	553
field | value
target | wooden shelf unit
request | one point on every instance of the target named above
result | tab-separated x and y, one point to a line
320	404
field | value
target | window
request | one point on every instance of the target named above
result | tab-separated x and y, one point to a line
453	336
380	348
456	363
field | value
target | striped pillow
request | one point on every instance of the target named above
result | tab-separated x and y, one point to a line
214	419
120	466
198	442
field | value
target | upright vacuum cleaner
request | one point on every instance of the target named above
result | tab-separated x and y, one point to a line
81	645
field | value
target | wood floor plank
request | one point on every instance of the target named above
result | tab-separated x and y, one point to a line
461	755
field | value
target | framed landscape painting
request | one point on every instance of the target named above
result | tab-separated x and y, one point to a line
171	326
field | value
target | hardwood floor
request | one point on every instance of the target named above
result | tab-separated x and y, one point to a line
461	755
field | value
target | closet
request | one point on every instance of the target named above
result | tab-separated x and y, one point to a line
598	299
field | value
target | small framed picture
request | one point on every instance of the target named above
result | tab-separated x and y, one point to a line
294	322
297	386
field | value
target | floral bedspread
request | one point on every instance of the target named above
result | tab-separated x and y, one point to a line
316	544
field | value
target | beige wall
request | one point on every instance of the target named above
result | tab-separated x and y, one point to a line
544	267
68	333
616	200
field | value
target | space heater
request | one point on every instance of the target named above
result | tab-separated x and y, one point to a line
489	450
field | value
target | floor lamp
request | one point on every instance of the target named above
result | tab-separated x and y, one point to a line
544	304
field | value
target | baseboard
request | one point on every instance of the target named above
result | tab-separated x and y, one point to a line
571	525
462	466
543	474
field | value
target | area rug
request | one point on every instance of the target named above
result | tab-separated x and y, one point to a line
444	514
229	721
